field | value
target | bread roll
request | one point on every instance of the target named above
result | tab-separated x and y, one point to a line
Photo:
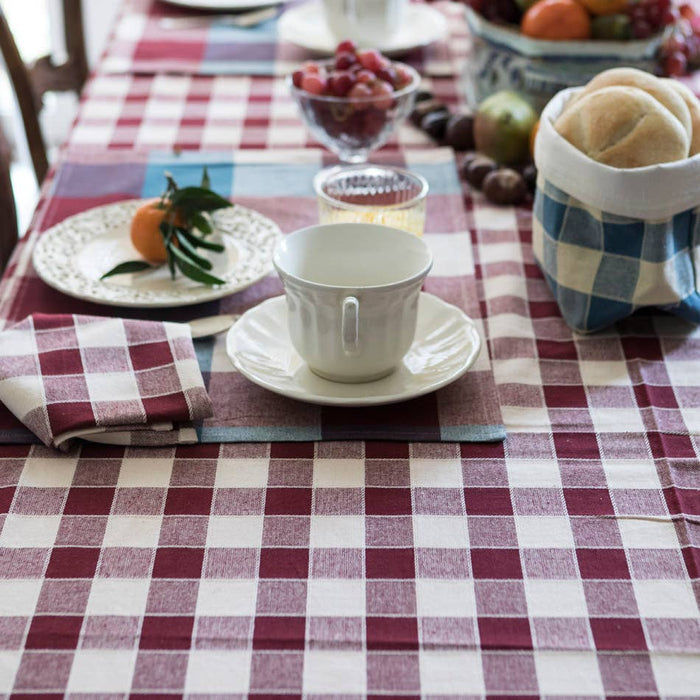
624	127
694	107
656	87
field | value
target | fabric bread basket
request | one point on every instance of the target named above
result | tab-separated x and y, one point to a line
610	241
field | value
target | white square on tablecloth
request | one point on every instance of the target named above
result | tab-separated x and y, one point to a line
339	473
604	373
25	393
9	663
241	473
616	420
647	534
157	133
676	674
29	530
510	326
108	86
670	598
230	86
132	531
118	596
494	218
335	598
631	474
520	370
218	671
445	598
682	372
235	531
86	134
533	473
555	598
691	418
505	285
451	672
436	473
337	531
526	420
108	333
568	673
18	596
106	387
336	670
102	671
440	531
544	531
48	472
220	598
452	254
288	135
171	85
499	252
145	472
220	135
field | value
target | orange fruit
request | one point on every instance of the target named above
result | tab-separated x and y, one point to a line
605	7
145	231
556	19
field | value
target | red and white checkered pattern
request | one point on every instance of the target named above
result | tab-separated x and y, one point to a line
111	380
563	563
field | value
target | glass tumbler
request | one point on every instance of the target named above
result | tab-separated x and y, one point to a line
371	193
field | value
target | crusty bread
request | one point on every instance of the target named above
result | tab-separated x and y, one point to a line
624	127
693	106
656	87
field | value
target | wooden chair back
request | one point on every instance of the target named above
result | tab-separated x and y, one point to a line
8	212
32	81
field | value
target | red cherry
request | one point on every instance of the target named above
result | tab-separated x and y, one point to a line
344	60
382	90
641	29
311	67
313	83
345	46
360	91
676	64
297	77
371	59
339	83
365	76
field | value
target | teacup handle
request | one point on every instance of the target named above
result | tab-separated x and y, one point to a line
350	325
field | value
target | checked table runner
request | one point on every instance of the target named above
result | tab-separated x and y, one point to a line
562	562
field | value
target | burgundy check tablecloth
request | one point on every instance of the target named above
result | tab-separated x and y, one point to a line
142	44
562	563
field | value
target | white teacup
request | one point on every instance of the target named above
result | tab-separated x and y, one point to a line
367	22
352	296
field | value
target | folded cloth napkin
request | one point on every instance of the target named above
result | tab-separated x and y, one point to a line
109	380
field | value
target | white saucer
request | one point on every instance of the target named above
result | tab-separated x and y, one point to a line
223	4
304	26
445	347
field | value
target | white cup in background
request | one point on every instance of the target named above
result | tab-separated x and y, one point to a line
368	23
352	296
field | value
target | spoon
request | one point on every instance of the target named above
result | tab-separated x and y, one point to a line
245	19
212	325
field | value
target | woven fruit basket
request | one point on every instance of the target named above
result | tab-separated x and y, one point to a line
505	59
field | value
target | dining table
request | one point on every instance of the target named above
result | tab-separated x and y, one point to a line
531	529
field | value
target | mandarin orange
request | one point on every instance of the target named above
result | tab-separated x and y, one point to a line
145	230
556	19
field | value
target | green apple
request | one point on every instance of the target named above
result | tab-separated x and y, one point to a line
525	5
502	126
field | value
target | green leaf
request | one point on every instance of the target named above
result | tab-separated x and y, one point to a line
126	267
200	221
199	242
192	271
171	262
206	182
198	199
189	250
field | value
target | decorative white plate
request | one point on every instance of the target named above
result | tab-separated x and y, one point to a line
223	4
73	255
445	347
305	26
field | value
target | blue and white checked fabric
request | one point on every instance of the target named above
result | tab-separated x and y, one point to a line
602	267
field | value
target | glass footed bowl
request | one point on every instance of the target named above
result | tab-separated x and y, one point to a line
353	127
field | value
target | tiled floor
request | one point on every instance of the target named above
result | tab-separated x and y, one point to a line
37	28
